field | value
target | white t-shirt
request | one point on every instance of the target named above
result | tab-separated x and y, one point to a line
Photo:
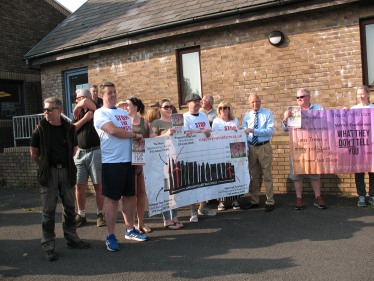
221	125
195	123
362	106
113	149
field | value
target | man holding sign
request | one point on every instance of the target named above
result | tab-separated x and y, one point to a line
118	175
196	122
303	100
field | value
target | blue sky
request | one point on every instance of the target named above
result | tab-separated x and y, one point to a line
72	5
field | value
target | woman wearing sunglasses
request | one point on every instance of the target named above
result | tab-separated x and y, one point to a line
139	126
226	121
160	128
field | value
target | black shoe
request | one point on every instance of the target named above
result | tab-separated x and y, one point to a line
50	255
251	206
269	208
77	245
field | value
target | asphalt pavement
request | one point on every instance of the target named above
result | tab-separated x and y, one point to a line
312	244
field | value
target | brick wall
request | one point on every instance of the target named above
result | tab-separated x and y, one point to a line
19	170
24	23
321	52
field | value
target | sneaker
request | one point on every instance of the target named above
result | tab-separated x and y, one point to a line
194	217
77	245
320	203
221	206
206	211
371	200
50	255
133	234
361	201
111	243
100	220
235	205
80	220
299	204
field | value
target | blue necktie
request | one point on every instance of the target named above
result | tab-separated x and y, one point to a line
255	126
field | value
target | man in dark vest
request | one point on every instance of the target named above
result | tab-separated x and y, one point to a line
53	146
88	157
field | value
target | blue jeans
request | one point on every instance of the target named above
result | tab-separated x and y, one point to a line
169	214
360	184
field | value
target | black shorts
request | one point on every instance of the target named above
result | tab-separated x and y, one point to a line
118	179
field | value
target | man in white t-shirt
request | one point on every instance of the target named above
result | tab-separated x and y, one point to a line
196	122
114	128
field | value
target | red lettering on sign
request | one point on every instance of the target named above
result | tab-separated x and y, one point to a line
200	125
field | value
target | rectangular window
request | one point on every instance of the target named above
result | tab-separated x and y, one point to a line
189	73
74	80
10	99
367	50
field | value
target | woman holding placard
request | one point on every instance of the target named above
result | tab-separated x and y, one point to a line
139	126
363	97
226	121
161	128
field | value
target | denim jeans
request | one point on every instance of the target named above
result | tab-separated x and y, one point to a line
169	214
58	186
360	184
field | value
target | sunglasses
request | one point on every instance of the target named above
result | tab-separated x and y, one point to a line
301	97
93	86
224	108
49	109
167	107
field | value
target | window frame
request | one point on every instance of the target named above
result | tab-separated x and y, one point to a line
67	74
365	74
21	98
181	52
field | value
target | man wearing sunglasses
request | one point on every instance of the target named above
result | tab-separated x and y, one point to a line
196	122
259	126
53	146
303	100
88	158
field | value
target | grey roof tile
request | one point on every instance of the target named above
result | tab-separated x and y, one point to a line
99	19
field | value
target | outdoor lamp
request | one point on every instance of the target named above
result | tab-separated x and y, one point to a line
276	38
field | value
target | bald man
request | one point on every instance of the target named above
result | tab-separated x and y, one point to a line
259	126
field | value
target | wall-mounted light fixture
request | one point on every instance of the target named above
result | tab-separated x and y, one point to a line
276	38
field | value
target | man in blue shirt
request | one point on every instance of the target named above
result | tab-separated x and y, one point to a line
259	126
303	100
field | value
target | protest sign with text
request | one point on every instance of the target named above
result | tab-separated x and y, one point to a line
137	152
177	122
333	141
182	170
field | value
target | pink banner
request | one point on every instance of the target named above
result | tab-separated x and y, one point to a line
333	141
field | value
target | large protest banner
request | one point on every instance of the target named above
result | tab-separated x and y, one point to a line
333	141
182	170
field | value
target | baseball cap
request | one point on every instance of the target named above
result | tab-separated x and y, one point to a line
192	97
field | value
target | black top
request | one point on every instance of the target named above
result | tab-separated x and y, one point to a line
59	145
87	135
99	103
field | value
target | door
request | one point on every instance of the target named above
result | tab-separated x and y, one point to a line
74	80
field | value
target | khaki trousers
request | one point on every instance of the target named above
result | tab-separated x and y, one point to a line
261	157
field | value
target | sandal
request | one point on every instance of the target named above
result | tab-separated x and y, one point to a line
144	229
173	226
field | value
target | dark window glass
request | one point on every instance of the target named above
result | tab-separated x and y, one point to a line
10	98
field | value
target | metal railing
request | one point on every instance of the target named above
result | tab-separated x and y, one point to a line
23	126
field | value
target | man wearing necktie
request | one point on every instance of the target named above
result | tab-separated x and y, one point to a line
259	126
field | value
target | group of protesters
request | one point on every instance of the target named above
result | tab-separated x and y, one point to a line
98	145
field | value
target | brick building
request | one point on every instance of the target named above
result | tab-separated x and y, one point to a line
23	24
169	48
